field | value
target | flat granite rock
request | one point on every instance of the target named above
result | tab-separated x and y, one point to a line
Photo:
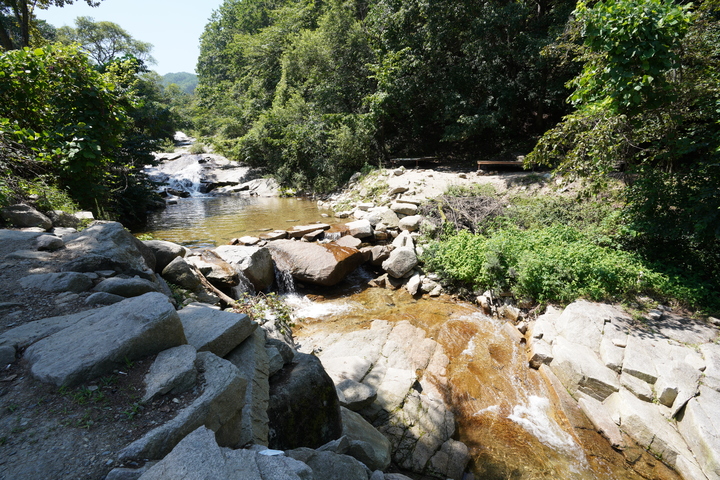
58	282
212	330
105	339
218	408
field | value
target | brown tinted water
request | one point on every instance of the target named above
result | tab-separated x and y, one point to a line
508	417
212	221
511	421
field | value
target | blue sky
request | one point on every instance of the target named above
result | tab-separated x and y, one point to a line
172	26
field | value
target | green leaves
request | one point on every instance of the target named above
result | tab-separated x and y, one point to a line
631	48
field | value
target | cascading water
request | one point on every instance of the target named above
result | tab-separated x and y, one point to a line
183	174
505	411
284	281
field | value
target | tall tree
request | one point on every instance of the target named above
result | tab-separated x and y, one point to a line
21	16
104	41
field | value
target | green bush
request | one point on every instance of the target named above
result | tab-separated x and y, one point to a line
555	264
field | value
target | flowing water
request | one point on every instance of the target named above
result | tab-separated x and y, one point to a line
515	425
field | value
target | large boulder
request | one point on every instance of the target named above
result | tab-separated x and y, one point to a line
324	265
112	241
219	408
106	339
251	359
304	410
164	252
198	456
126	287
330	465
254	263
213	330
376	451
25	216
700	427
179	272
401	261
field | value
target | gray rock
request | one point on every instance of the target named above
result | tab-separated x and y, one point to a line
404	208
25	335
251	360
700	427
355	395
219	408
102	298
179	272
275	360
579	369
299	231
411	223
255	263
123	473
711	354
349	241
360	229
376	453
58	282
126	287
638	387
49	243
25	216
94	263
450	461
111	240
215	269
324	265
642	421
378	254
165	252
304	408
686	330
7	355
404	240
212	330
329	465
105	339
287	352
639	360
413	284
583	322
400	262
173	371
602	421
389	218
198	456
63	219
539	353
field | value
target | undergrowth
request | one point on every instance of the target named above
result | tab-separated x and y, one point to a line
555	249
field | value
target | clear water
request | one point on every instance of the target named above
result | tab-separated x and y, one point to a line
212	221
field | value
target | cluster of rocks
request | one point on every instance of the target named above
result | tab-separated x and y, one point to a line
258	396
656	382
56	221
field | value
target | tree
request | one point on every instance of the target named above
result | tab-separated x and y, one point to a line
21	14
646	103
104	41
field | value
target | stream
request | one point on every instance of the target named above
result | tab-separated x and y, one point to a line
506	413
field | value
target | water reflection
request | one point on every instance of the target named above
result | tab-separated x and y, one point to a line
211	221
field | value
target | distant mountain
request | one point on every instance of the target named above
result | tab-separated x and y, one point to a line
186	81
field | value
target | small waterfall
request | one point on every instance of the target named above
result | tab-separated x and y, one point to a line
245	286
285	281
183	174
333	236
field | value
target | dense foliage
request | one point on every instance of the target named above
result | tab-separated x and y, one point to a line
315	90
647	103
88	131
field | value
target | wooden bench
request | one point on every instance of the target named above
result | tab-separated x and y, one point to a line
500	163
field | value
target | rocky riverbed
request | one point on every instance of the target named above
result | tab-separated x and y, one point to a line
110	373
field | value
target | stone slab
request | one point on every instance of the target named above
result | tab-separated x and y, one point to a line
211	330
